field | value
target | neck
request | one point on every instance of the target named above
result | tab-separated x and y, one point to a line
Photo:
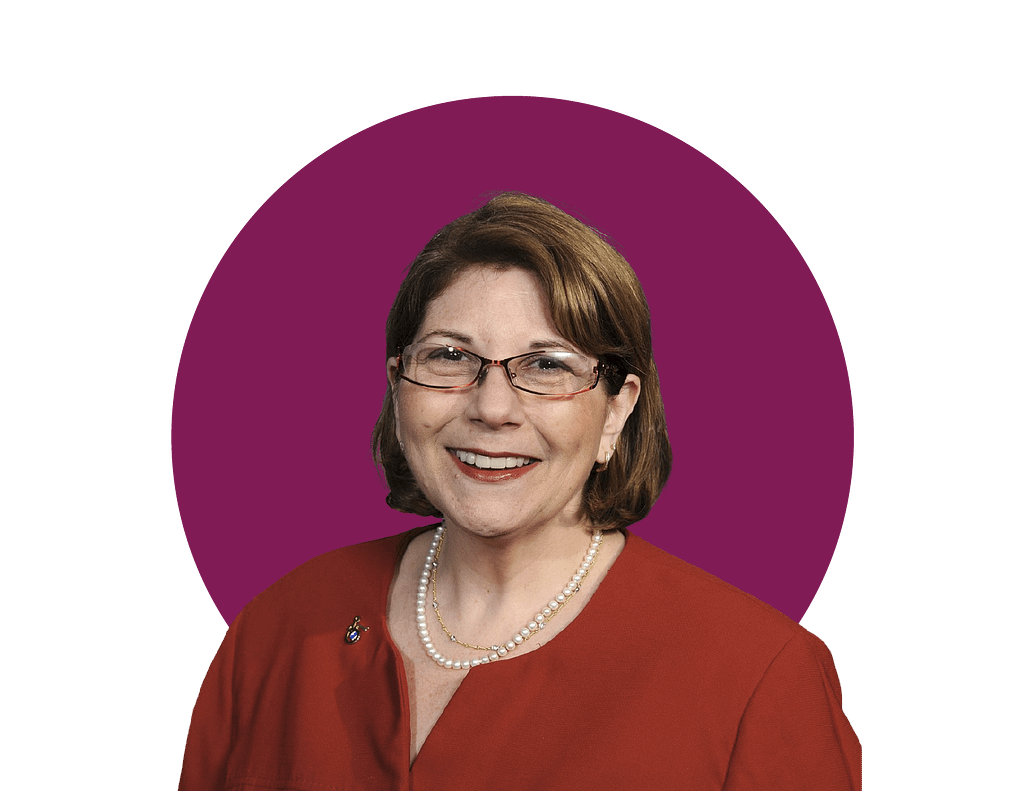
486	580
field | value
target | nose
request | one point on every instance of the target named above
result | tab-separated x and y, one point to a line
494	401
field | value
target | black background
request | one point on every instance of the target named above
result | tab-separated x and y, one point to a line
223	162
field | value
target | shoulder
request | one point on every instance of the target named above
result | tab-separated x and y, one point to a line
678	639
324	593
700	613
335	571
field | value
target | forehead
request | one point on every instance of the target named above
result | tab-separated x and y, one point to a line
489	305
480	280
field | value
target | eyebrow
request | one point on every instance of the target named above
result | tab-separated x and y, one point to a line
542	343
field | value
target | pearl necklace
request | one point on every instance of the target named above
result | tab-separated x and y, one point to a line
495	652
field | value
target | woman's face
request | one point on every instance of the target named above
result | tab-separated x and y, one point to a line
498	314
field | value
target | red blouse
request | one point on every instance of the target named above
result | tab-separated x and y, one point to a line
668	679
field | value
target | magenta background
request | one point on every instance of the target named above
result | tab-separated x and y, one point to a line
273	408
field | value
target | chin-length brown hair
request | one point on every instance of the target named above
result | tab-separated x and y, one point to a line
596	303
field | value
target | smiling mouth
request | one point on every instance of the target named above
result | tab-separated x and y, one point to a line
482	462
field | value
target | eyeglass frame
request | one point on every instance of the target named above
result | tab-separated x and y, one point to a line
599	369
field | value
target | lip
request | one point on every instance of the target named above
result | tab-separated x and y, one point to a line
491	476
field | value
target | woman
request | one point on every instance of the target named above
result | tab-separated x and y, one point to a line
528	640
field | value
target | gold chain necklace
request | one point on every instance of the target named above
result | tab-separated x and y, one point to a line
496	651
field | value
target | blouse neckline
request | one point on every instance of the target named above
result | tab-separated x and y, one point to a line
561	644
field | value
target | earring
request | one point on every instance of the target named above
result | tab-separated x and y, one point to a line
607	456
401	446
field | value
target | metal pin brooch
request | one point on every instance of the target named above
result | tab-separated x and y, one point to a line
352	634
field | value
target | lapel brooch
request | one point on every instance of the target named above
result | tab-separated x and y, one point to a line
352	634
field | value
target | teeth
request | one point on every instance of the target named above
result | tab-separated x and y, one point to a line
482	462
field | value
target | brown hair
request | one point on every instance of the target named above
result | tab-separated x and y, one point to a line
596	303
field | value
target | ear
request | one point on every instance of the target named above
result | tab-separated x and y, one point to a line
393	381
620	407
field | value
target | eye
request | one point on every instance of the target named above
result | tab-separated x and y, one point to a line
450	354
551	364
547	364
447	360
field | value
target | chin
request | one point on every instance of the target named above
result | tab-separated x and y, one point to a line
499	520
482	526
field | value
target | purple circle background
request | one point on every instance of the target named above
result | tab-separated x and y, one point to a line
273	406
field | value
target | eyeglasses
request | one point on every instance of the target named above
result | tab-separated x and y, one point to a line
444	367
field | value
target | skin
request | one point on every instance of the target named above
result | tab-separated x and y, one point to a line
510	544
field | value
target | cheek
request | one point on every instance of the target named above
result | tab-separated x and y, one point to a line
421	416
579	430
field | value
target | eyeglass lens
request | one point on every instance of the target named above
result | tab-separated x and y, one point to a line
547	372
